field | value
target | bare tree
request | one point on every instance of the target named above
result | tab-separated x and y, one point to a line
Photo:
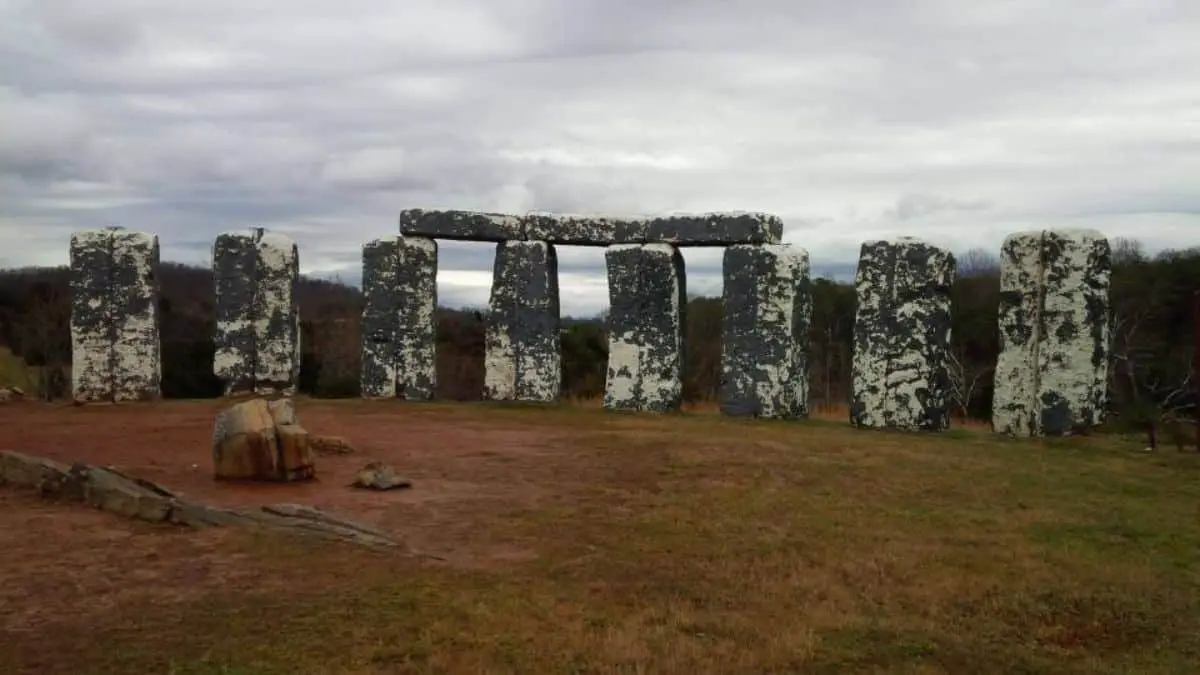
966	380
977	262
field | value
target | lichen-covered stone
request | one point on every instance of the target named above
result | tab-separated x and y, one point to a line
277	318
585	230
460	225
380	316
257	336
523	359
399	339
900	375
647	292
137	355
235	268
706	229
715	229
92	335
416	333
116	353
768	308
702	229
1051	373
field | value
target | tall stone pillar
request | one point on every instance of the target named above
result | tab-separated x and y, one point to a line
1052	371
524	358
115	344
380	317
900	374
647	290
768	309
399	331
257	335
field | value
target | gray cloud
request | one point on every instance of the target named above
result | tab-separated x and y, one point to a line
850	119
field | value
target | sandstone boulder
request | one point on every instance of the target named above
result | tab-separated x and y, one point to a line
257	440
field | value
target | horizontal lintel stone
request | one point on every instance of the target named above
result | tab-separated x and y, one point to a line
461	225
705	229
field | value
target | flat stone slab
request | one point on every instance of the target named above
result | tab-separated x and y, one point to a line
460	225
702	229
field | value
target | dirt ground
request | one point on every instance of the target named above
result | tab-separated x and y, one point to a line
465	469
461	466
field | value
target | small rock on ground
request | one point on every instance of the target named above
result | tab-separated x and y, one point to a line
330	445
380	476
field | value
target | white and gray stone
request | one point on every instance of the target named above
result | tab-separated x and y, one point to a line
716	229
137	349
523	360
768	309
704	229
92	329
257	337
235	268
277	322
1051	373
416	355
380	316
700	229
647	292
399	330
900	374
461	225
116	351
585	230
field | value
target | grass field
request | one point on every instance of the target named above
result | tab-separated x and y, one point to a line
697	544
14	372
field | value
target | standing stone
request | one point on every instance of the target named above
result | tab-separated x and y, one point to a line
235	268
257	337
900	374
92	334
116	352
647	292
399	334
277	318
416	336
768	308
1051	374
137	356
380	316
524	359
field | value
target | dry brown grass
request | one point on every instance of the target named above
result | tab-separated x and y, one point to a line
697	544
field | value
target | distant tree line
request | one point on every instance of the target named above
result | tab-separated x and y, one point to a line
1153	336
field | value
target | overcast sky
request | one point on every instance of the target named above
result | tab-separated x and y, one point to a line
852	119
